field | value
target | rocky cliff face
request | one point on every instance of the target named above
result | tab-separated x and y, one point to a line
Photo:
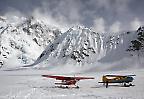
137	44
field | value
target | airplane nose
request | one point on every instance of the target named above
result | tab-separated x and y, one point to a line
131	78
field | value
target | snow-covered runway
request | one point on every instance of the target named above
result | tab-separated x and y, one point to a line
28	84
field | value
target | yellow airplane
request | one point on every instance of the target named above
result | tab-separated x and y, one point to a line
125	80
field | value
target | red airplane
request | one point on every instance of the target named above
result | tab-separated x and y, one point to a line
67	80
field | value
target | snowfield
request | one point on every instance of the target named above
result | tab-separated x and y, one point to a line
29	84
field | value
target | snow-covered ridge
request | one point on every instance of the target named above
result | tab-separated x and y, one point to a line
80	45
22	40
77	44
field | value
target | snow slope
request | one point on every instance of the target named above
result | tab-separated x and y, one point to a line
76	44
81	46
23	39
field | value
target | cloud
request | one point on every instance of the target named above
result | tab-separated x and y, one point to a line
115	27
103	15
64	14
135	24
50	20
99	25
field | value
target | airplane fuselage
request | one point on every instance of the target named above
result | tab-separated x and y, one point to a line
117	79
67	82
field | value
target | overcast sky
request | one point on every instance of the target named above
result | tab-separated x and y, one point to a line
100	15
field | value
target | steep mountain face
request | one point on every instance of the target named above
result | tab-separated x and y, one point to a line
80	45
116	46
22	40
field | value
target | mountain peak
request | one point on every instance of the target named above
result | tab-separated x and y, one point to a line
24	39
78	44
78	27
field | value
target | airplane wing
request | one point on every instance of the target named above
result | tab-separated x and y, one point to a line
130	75
82	78
66	78
56	77
118	75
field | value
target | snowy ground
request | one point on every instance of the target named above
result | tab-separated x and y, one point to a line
28	84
